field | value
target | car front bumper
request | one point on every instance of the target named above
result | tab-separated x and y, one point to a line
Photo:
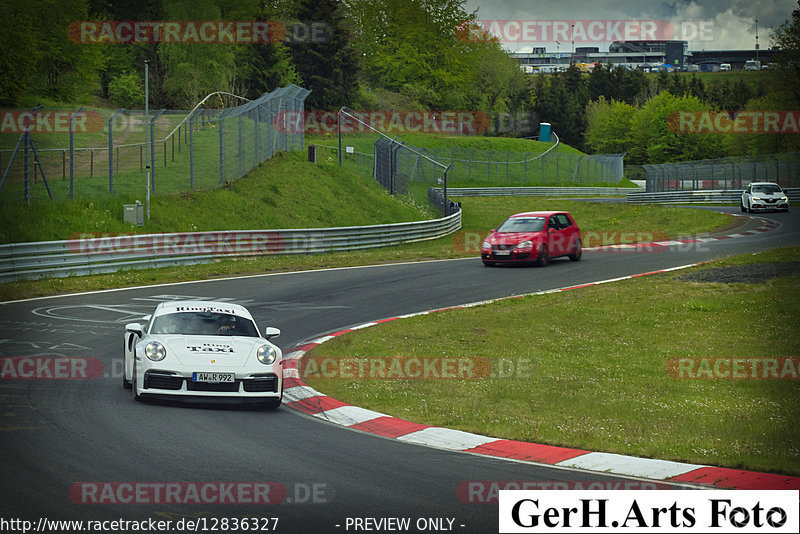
246	386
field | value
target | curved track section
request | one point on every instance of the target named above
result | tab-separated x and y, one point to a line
79	448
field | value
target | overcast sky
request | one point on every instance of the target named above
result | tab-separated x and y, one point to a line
706	24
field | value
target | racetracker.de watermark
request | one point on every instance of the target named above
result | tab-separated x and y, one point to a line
734	122
780	368
50	368
203	493
470	242
488	491
410	368
202	32
50	121
391	122
191	243
585	31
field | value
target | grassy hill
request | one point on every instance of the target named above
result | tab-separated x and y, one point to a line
284	192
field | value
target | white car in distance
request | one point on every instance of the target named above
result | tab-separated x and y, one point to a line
763	196
203	350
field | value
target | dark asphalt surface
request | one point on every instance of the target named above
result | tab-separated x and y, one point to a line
56	433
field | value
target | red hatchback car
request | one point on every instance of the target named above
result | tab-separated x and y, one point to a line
535	237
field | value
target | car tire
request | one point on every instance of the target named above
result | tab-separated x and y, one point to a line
576	256
136	396
543	257
126	384
272	404
744	210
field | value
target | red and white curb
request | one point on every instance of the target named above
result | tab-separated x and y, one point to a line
655	246
299	396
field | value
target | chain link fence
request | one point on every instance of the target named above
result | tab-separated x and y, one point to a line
102	152
487	168
723	174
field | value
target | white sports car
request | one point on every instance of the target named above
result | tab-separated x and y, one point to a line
202	349
764	196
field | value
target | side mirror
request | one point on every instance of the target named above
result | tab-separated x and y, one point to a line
551	229
270	332
134	328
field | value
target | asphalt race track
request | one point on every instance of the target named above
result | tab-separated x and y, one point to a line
58	437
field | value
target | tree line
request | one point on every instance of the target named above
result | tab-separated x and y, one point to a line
377	54
407	53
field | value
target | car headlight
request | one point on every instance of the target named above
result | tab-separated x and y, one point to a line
486	247
525	245
266	354
155	351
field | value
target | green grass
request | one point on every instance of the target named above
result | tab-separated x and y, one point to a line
596	378
608	222
284	192
364	142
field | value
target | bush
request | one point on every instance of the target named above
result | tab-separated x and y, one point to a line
126	90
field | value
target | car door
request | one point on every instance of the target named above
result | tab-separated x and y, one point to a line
558	234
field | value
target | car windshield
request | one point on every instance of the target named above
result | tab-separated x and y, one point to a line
766	188
522	224
204	324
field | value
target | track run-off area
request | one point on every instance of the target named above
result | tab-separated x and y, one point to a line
81	449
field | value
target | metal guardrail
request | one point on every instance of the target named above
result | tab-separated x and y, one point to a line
725	196
96	255
536	191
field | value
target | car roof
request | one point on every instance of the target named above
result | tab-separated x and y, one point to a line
173	306
763	183
538	213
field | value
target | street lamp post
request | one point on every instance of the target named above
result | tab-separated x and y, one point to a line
558	52
757	40
572	57
146	129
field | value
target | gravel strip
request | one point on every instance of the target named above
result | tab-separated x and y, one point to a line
752	273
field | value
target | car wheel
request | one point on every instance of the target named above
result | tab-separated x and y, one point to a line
125	382
742	206
488	263
136	395
543	257
272	404
576	256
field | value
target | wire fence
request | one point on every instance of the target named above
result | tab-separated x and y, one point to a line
488	168
724	174
104	152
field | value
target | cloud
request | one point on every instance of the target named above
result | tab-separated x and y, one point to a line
727	24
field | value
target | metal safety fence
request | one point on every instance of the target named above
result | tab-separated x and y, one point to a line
94	255
698	196
102	152
540	191
724	173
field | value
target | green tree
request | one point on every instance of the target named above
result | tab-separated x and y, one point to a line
560	100
193	70
64	69
127	90
657	140
787	38
414	47
327	63
18	42
609	128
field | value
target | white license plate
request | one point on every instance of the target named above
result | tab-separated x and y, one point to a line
212	377
502	252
